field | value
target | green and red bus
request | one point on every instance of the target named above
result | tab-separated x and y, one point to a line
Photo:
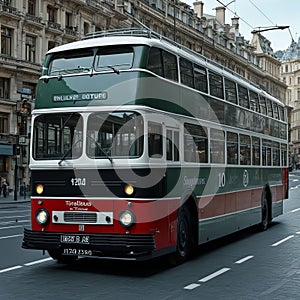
141	148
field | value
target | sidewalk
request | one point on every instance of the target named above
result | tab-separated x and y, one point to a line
10	199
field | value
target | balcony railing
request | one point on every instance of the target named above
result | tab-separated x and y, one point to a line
9	9
33	18
53	25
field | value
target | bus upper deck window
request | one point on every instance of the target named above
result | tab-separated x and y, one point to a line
114	58
68	62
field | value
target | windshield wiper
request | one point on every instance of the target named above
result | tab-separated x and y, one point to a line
68	152
113	67
117	71
101	149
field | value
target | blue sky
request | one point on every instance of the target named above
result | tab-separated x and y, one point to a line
262	13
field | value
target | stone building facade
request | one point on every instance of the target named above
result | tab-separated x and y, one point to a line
290	74
30	27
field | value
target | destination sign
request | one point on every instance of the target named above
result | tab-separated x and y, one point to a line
80	97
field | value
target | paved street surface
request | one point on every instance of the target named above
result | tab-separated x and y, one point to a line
245	266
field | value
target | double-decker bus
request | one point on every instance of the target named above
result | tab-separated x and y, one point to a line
142	148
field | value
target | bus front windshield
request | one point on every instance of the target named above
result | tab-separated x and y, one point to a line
109	135
116	135
58	136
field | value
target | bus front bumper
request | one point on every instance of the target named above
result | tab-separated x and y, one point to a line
100	245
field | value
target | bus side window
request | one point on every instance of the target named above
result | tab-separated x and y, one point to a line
155	61
245	150
275	111
232	148
281	113
200	78
266	153
216	85
195	143
276	154
262	104
170	66
269	108
254	101
155	143
255	151
243	96
283	148
172	145
230	91
186	72
217	146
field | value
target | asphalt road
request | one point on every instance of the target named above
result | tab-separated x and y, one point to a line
247	265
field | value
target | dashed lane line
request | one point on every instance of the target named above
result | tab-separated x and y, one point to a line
191	286
213	275
283	240
242	260
27	265
37	262
10	269
295	210
10	236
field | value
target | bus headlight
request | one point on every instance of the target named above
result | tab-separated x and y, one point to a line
42	216
129	189
127	218
39	189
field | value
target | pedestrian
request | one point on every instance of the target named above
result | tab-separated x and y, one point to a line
23	190
4	188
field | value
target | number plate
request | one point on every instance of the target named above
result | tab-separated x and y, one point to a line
82	252
75	239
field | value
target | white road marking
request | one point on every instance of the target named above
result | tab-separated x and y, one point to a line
244	259
10	236
9	227
294	210
10	269
213	275
283	240
37	261
192	286
27	265
298	232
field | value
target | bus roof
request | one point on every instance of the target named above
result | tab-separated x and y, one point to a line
134	36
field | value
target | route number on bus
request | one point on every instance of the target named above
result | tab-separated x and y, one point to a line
78	181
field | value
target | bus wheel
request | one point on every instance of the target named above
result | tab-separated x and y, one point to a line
265	212
64	259
184	237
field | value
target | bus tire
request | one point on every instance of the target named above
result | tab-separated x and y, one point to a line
60	258
185	237
265	211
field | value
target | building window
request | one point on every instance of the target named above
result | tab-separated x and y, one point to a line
52	14
4	123
31	7
30	48
51	44
69	20
6	41
86	28
4	88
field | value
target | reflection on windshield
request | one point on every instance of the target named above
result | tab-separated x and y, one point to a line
58	136
117	134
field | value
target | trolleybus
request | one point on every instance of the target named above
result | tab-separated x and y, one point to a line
141	148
